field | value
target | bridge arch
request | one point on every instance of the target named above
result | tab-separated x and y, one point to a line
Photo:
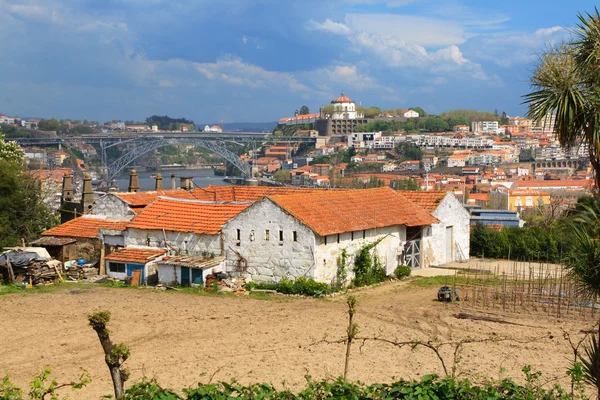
147	146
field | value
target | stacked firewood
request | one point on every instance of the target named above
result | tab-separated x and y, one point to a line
79	273
36	273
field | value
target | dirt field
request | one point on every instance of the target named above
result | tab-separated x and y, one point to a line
177	336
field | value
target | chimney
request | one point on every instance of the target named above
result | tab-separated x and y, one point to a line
173	182
134	184
159	185
113	186
185	182
87	198
67	189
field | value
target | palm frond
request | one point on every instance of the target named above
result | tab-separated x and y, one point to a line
591	362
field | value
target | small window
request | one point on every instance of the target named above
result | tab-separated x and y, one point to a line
252	235
267	234
352	235
325	239
364	234
117	267
281	236
295	235
238	234
338	238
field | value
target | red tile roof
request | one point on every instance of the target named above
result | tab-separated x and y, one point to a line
572	183
142	199
248	193
85	227
429	201
135	255
186	216
329	212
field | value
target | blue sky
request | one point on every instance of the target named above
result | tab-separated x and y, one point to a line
259	60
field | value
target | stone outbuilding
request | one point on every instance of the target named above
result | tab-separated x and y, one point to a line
449	239
289	236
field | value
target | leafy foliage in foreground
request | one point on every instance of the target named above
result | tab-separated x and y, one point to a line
301	286
429	387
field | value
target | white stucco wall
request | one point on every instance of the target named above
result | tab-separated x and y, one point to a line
388	250
309	256
111	206
451	213
184	243
269	259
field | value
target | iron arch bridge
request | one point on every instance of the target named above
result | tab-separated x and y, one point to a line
216	146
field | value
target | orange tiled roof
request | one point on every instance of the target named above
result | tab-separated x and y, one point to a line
135	255
142	199
179	215
85	227
248	193
329	212
429	201
575	183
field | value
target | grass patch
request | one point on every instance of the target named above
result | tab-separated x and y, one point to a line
12	289
430	281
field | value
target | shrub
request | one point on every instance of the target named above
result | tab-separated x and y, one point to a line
402	271
367	267
302	286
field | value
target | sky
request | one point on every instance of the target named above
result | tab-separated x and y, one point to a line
260	60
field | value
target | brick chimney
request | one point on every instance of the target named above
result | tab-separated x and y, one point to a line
87	197
67	189
173	182
158	185
134	184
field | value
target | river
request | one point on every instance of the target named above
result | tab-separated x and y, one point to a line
201	177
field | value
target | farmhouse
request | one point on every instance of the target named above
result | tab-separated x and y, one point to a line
288	236
448	240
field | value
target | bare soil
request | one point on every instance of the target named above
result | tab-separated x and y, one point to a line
183	338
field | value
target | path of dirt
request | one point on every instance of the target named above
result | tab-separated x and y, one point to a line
176	337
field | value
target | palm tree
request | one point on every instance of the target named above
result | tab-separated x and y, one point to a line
566	81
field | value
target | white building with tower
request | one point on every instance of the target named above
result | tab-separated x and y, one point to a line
344	108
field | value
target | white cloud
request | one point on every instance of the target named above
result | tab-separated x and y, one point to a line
329	26
548	31
413	30
509	49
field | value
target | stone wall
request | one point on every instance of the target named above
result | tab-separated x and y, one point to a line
111	206
184	243
269	259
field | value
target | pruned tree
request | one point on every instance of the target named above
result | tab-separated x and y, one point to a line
114	354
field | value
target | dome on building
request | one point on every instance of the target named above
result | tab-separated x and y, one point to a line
342	99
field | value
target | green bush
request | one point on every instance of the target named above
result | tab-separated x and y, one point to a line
429	387
367	267
301	286
402	271
528	243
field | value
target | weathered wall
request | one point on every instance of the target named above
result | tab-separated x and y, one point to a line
171	275
309	256
111	206
450	212
269	259
180	242
388	250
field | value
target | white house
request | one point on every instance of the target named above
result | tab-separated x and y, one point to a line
123	262
289	236
213	129
411	114
449	239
